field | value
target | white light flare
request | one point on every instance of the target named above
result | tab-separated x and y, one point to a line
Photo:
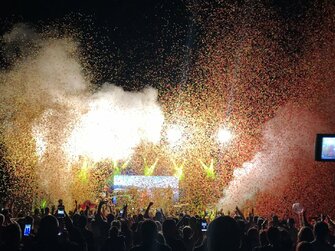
40	142
115	124
224	135
174	135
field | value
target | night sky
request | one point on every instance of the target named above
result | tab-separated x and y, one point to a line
129	42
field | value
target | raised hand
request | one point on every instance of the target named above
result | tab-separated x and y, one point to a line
146	214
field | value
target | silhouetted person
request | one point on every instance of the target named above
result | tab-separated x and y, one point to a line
171	235
187	238
48	238
149	238
252	238
125	231
114	242
46	211
292	230
321	234
87	235
37	218
11	237
223	234
286	244
305	234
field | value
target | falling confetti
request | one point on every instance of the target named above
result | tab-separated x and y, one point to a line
232	113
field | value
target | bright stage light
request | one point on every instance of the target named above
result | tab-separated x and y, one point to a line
224	135
174	135
111	128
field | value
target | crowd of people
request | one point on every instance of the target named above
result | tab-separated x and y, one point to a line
53	229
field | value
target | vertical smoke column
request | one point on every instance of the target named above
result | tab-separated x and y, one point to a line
39	94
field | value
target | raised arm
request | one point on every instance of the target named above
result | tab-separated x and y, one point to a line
305	222
330	221
239	212
146	214
125	211
163	215
75	207
99	214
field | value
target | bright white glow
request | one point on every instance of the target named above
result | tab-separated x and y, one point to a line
39	133
174	135
41	145
224	135
116	122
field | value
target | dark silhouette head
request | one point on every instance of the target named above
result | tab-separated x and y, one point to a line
291	222
36	212
49	228
263	238
253	234
187	232
321	231
113	232
273	234
305	234
286	242
47	211
110	218
28	220
149	231
11	235
223	234
169	228
116	223
82	221
75	219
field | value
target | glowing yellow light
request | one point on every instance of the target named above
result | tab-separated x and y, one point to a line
83	173
149	169
117	169
178	170
209	169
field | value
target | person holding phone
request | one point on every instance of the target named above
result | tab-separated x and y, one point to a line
204	225
27	229
60	209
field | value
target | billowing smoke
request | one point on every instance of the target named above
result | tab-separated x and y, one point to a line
115	123
47	103
287	139
284	171
285	167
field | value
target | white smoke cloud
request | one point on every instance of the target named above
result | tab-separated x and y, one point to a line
22	33
106	124
288	138
47	100
116	122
